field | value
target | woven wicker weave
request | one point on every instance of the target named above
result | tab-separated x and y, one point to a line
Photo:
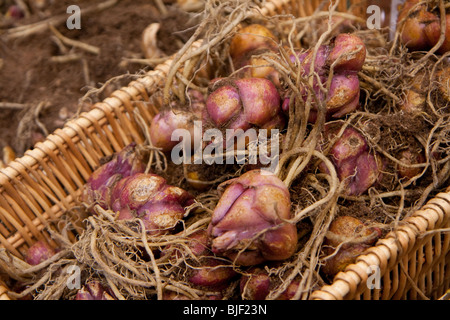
36	189
412	260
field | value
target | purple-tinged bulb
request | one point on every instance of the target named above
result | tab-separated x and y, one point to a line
149	198
355	164
97	189
343	97
176	117
257	284
248	224
212	273
344	94
39	252
433	33
14	12
205	270
306	58
165	123
93	290
348	53
244	104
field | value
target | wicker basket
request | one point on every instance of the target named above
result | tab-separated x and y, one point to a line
36	189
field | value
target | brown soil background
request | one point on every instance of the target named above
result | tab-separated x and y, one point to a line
28	75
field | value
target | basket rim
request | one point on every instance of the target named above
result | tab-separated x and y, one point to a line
388	250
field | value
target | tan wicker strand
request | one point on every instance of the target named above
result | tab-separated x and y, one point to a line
17	241
395	280
415	266
69	151
141	89
5	243
17	200
74	176
127	95
341	288
351	278
60	170
84	146
323	294
115	135
41	179
383	254
23	213
436	270
434	212
43	200
400	280
29	198
31	226
123	121
7	186
433	262
18	227
127	122
403	238
421	222
143	109
74	146
97	134
119	131
31	183
83	126
335	290
115	105
386	243
387	286
4	227
445	196
71	175
50	176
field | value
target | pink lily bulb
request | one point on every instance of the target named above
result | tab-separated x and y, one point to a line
148	196
99	185
356	165
244	104
248	225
